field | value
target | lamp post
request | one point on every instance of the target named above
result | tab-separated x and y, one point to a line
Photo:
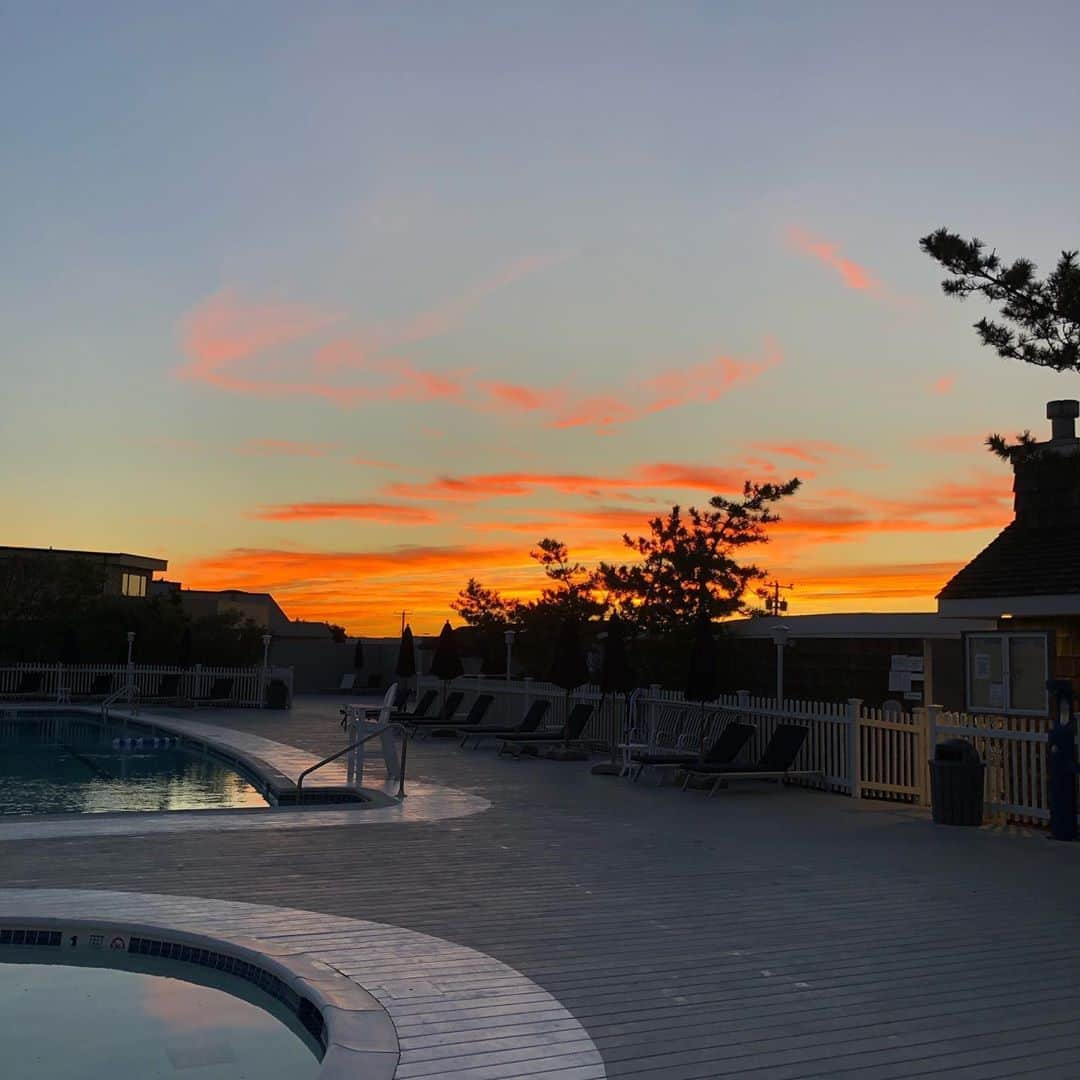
130	666
780	639
508	637
265	671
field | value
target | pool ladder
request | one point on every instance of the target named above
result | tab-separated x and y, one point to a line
130	693
353	746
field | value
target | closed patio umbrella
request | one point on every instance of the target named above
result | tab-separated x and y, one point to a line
568	671
703	674
446	665
405	668
617	676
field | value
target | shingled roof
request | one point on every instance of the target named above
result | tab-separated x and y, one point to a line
1021	562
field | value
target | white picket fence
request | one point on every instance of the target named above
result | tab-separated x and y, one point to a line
75	682
858	751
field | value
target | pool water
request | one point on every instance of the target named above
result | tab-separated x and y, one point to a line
100	1024
64	763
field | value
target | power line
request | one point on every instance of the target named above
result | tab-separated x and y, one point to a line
774	605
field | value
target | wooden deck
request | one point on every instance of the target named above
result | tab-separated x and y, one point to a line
763	933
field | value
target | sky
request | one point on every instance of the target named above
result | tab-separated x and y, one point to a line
352	302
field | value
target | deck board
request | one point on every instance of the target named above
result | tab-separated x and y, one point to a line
765	932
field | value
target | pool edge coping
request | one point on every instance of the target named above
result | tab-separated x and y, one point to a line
359	1029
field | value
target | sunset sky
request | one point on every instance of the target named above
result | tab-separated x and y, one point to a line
352	302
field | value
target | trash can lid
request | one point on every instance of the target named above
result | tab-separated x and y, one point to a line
957	751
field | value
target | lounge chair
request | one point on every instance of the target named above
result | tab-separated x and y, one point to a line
722	751
570	732
443	719
774	764
168	689
529	722
220	693
100	688
473	717
29	686
427	699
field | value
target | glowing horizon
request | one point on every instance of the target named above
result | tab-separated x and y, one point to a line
356	314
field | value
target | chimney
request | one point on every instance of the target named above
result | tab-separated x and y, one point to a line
1062	416
1046	481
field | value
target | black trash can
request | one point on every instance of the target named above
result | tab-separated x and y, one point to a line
277	695
956	783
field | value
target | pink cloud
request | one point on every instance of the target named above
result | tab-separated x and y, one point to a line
853	275
273	351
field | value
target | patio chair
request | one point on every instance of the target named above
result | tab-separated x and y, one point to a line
423	705
100	688
443	719
529	722
473	717
220	693
774	764
722	751
167	690
570	732
29	686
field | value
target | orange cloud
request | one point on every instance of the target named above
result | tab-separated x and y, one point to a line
945	385
498	485
853	275
698	383
227	339
360	511
872	586
268	350
286	447
983	502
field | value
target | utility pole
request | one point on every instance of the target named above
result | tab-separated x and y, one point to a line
403	614
774	605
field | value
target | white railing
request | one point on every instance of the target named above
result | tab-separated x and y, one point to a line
863	752
75	682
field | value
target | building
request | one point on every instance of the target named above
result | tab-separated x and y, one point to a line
1027	581
124	575
911	658
261	608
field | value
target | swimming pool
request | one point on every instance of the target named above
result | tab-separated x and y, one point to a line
74	762
141	1020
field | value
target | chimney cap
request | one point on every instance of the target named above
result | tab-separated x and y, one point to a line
1067	409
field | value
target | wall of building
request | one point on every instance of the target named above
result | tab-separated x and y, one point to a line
834	669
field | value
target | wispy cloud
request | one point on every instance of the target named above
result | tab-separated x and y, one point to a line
281	351
817	452
271	349
392	513
659	476
851	273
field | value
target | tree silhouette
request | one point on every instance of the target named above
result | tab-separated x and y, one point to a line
688	567
1042	317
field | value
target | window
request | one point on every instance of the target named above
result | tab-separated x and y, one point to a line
1007	672
133	584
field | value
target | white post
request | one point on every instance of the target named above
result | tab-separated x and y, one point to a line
854	715
265	670
508	637
130	666
932	712
780	639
